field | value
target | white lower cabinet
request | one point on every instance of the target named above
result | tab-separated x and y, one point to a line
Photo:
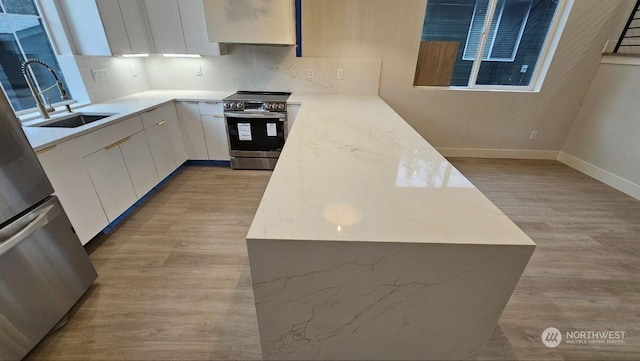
110	178
137	157
215	130
192	130
72	184
170	115
161	151
99	175
215	134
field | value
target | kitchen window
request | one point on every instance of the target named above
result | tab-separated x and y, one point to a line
514	47
23	36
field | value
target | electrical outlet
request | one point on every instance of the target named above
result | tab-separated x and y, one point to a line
534	135
309	73
340	74
133	70
100	74
524	68
199	70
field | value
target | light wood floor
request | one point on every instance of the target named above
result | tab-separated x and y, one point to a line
174	278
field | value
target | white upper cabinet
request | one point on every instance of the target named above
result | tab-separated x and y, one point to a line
251	22
179	27
166	26
114	28
83	19
194	26
138	27
126	26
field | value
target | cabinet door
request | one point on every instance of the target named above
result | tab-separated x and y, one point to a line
175	134
292	114
251	22
137	157
194	26
111	180
114	28
72	184
166	26
161	152
137	26
192	131
215	133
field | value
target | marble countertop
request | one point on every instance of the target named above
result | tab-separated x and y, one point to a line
354	170
122	108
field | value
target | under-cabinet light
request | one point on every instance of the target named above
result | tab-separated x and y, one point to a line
135	55
182	56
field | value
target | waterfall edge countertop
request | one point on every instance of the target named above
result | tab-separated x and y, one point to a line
122	108
354	170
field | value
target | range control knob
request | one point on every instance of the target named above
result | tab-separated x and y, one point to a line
269	106
280	106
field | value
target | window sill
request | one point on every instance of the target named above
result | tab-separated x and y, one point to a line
27	116
484	90
620	59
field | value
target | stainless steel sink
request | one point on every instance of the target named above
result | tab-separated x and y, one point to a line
74	121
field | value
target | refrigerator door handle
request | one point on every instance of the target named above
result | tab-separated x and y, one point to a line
38	222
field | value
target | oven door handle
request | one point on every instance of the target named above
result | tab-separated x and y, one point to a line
264	115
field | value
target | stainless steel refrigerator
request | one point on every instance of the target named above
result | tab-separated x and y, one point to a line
44	269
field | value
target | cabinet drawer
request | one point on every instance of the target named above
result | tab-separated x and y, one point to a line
152	117
94	141
215	108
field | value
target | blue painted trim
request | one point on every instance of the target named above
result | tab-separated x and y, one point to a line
136	205
209	163
298	28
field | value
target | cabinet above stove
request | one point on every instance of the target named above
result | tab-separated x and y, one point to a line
270	22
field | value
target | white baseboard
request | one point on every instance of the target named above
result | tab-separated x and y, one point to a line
499	153
600	174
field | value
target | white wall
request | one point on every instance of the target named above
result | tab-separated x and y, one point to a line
603	141
265	68
448	118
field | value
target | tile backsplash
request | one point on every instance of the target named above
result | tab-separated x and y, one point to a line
265	68
124	76
245	68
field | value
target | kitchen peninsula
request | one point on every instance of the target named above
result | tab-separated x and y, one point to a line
368	244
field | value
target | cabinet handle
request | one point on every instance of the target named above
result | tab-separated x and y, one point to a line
162	122
218	116
212	102
46	149
117	143
191	102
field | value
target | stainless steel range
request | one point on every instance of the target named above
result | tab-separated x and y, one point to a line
256	127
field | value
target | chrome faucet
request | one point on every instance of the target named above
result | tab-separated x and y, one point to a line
44	110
